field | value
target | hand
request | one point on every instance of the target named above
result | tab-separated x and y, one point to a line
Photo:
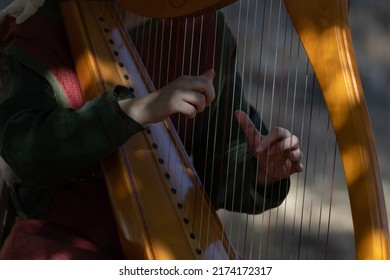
278	152
188	95
21	9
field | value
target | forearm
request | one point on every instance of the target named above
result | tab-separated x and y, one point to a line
50	145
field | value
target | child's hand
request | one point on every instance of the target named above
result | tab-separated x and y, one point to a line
188	95
278	152
21	9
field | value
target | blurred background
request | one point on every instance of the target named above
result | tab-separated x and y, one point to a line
370	27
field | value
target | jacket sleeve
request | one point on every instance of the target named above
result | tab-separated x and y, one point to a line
47	145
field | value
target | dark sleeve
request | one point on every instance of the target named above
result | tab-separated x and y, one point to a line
229	168
46	145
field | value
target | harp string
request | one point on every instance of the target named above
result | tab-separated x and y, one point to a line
286	225
219	82
230	120
229	226
294	84
243	73
247	21
317	167
291	125
307	148
243	90
272	103
282	15
257	98
303	194
204	215
189	124
277	102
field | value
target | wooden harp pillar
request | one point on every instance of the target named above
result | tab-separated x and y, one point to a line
323	28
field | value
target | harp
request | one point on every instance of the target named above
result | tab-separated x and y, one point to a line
143	177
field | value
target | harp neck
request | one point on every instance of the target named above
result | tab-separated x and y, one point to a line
172	8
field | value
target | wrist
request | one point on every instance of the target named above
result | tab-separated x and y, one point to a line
132	108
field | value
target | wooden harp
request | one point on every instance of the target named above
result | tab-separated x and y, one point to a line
142	184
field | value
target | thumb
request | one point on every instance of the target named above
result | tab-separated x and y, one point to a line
252	134
209	74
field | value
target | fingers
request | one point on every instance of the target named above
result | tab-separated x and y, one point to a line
283	150
209	74
249	129
188	95
189	103
279	150
25	15
12	8
275	136
295	158
279	140
296	167
295	155
21	10
288	144
202	84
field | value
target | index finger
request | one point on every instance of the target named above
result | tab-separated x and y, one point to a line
246	124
